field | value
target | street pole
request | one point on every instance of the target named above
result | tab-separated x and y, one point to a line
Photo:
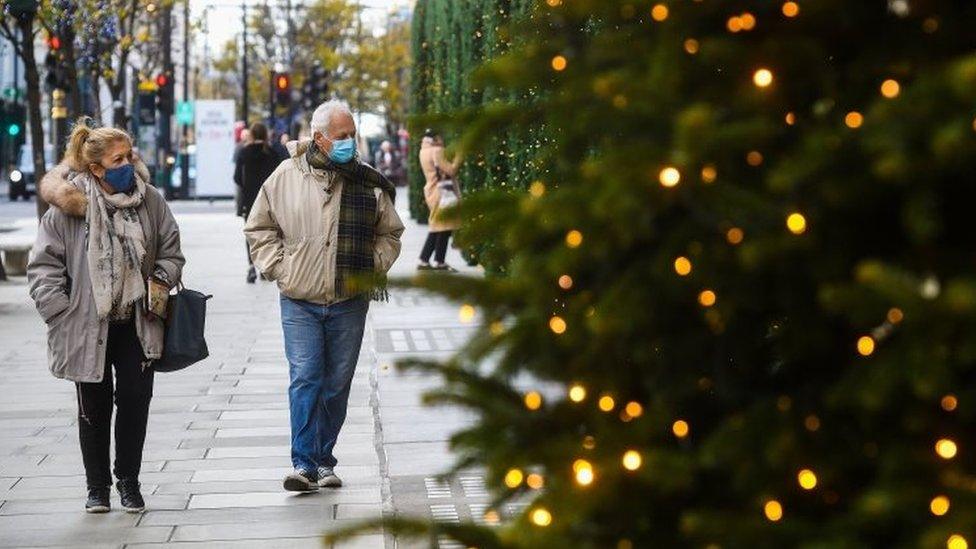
185	164
59	114
165	118
245	106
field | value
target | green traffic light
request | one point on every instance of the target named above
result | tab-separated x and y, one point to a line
14	129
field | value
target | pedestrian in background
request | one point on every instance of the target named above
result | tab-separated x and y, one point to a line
254	164
280	147
441	191
107	233
321	223
388	162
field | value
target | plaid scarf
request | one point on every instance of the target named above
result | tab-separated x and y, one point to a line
355	272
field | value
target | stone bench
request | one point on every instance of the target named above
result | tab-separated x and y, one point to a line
15	250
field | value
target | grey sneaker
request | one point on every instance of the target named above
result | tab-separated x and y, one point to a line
300	481
328	478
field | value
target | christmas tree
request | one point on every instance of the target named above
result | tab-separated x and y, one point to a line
742	283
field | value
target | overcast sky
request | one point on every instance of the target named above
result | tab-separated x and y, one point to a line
224	17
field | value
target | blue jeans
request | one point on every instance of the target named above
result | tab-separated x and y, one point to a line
322	345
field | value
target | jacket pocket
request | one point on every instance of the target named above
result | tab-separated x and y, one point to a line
57	349
304	270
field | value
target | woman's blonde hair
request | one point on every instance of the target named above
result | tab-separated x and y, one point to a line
88	145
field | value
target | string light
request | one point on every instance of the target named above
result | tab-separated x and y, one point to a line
706	298
865	345
691	46
709	174
574	238
496	328
513	478
584	472
890	88
659	12
554	3
946	448
557	325
790	118
632	460
812	423
669	177
534	481
734	236
589	442
854	120
807	479
754	158
634	409
541	517
956	541
773	510
682	266
537	189
565	282
734	24
791	9
577	393
606	403
939	505
466	313
533	400
895	315
796	223
748	21
559	63
949	403
680	428
762	78
491	517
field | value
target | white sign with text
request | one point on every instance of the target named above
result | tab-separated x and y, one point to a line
214	125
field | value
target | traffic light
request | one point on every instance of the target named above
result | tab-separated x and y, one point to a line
165	92
55	78
281	87
316	88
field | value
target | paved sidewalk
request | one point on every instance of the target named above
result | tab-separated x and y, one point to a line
218	438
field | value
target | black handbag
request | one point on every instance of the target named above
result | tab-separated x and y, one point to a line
184	342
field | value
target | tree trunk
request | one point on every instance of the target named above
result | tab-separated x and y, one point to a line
32	79
96	89
71	75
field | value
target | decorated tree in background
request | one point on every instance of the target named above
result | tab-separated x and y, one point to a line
450	40
742	288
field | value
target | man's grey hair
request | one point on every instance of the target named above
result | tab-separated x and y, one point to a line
323	114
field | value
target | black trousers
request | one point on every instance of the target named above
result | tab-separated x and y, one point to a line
435	241
132	393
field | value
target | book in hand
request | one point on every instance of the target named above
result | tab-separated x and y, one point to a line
157	297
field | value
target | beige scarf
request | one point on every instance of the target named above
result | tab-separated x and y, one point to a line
116	247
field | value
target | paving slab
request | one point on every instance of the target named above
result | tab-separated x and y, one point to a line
218	440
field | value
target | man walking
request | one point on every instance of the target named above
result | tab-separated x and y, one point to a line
324	227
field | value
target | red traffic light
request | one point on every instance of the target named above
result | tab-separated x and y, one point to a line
282	82
54	43
162	80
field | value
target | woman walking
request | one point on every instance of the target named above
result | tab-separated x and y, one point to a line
440	191
107	234
255	163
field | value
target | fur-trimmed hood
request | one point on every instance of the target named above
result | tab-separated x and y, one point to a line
61	187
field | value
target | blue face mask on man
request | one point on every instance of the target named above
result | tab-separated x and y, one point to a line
121	179
343	150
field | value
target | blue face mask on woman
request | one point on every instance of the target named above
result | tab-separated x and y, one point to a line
121	179
342	150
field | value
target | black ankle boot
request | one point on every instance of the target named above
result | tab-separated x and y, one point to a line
129	493
98	500
252	275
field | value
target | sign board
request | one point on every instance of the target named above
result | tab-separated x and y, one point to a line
184	112
214	130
